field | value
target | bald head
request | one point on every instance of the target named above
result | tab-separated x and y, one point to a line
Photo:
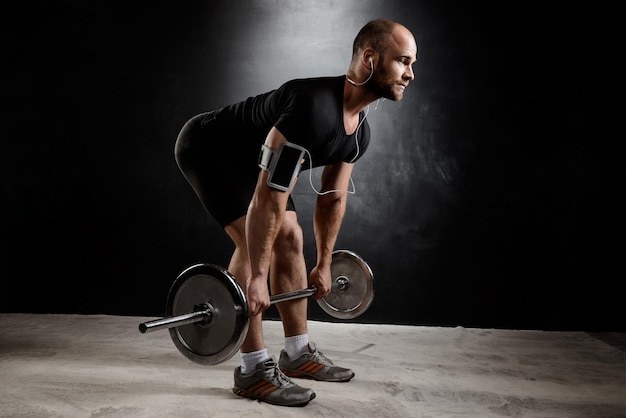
376	35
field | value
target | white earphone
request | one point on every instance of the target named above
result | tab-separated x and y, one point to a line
368	78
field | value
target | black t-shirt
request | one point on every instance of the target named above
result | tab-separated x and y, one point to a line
308	112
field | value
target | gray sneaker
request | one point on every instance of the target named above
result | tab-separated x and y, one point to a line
314	365
268	384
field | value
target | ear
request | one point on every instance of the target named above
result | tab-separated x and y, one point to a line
369	56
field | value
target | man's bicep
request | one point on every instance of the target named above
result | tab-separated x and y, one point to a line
274	138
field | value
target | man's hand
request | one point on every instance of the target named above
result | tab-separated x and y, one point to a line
320	277
258	296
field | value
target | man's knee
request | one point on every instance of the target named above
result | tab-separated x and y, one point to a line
236	230
290	238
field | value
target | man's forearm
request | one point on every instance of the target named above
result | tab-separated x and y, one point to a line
327	219
262	224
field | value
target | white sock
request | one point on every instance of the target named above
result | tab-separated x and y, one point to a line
250	360
297	345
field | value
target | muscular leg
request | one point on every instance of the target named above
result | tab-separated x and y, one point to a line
287	273
239	267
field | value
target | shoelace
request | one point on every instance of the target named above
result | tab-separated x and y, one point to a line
279	376
324	360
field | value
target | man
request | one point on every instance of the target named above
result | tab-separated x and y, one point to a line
228	156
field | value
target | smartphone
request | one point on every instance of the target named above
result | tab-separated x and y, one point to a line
285	166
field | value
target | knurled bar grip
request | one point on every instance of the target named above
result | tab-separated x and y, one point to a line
296	294
201	315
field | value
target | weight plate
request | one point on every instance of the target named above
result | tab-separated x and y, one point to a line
219	338
353	286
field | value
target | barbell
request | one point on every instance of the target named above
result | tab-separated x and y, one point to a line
207	313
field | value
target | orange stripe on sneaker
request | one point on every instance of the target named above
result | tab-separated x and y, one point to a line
317	369
257	385
262	388
305	367
267	391
310	367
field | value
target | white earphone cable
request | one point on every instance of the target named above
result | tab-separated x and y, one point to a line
354	83
356	141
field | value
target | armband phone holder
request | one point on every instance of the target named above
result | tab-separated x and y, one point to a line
283	165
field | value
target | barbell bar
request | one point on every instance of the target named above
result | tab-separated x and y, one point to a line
205	312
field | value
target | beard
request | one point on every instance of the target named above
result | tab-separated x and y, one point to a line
383	86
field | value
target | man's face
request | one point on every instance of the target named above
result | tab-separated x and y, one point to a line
393	70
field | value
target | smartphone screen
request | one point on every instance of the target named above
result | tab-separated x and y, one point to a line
286	166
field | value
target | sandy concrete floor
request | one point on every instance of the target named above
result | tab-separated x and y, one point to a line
101	366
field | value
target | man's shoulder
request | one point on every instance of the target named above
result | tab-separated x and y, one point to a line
311	93
313	83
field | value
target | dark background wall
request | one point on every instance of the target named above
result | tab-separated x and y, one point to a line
490	196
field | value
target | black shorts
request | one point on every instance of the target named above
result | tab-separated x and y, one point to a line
222	174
